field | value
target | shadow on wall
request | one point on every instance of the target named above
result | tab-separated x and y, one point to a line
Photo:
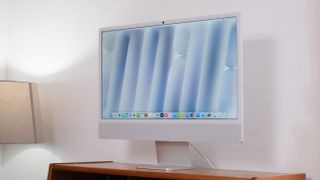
30	160
258	150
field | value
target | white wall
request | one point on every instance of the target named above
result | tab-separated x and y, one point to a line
55	43
4	36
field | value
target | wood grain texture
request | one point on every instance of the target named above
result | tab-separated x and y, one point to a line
118	171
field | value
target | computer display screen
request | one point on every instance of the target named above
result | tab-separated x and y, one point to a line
174	71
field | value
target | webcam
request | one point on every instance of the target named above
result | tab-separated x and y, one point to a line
162	22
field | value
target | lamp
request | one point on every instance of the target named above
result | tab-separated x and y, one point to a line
19	113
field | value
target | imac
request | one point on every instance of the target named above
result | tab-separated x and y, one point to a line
172	82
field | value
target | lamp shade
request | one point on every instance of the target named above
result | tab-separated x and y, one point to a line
19	113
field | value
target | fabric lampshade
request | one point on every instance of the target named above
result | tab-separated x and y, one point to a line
19	113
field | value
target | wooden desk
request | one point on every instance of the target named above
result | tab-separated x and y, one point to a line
122	171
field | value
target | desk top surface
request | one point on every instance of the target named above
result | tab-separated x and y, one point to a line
127	169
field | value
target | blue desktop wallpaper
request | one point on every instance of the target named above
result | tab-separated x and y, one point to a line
178	69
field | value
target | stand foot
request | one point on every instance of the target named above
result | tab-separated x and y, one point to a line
164	167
